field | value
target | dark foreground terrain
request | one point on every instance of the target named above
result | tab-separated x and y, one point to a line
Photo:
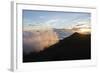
75	47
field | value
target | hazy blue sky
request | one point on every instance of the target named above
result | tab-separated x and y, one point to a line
55	19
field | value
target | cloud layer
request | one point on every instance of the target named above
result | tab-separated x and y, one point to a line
37	40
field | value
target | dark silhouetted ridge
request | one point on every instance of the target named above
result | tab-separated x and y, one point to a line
75	47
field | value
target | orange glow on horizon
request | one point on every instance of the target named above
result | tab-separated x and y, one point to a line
83	30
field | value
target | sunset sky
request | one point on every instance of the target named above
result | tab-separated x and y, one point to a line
55	19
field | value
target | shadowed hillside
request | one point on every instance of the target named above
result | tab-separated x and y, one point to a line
74	47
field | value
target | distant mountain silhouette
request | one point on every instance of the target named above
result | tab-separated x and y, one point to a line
63	33
75	47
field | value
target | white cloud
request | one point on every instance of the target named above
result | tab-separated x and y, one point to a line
41	16
51	21
56	23
38	41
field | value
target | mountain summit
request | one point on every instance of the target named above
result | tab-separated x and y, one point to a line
75	47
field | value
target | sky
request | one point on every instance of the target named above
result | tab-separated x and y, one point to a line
55	19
